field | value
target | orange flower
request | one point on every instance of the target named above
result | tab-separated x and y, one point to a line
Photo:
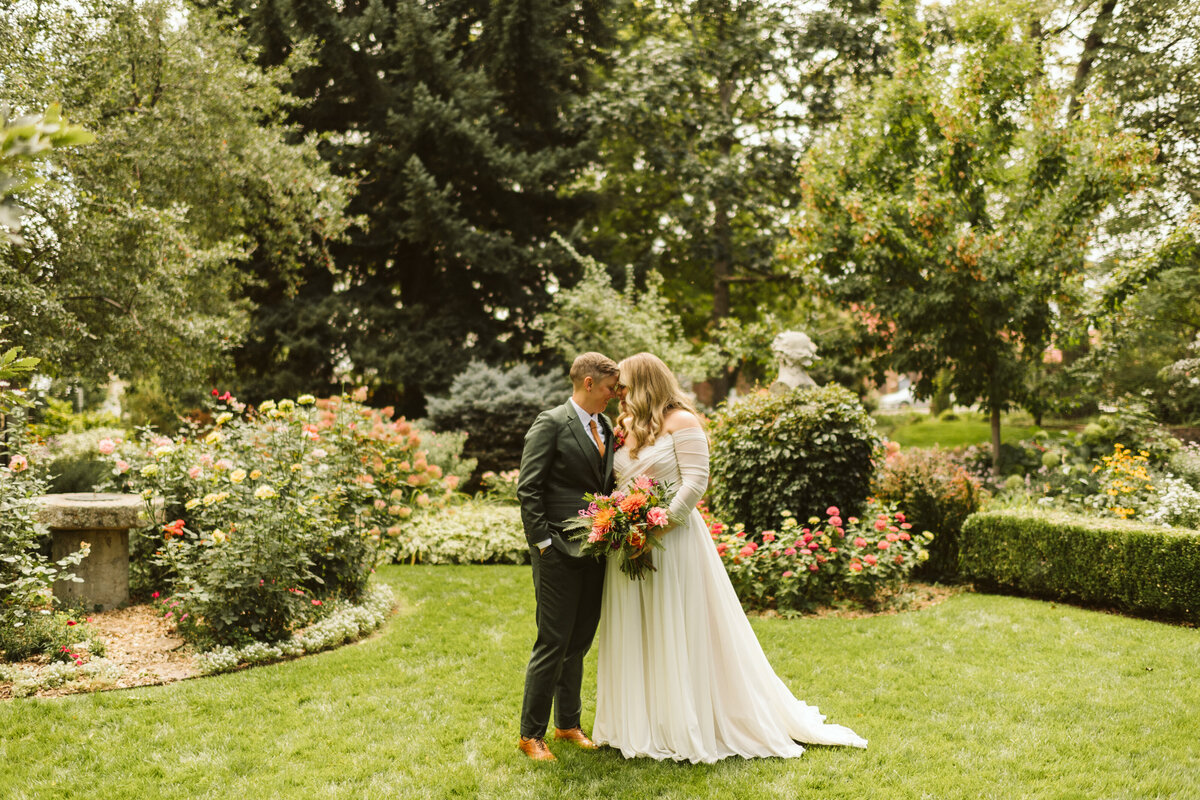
603	520
633	502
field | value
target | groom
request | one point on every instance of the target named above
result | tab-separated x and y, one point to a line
568	453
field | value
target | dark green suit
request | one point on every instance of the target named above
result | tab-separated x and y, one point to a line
559	465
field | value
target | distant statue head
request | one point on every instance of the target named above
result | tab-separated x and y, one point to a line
795	351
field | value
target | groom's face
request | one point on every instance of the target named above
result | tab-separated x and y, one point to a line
598	393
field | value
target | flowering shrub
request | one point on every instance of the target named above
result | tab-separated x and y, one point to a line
937	494
275	509
798	451
475	532
501	487
799	567
97	673
26	576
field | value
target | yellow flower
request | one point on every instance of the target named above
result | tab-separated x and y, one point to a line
297	467
163	450
224	417
220	536
212	438
267	405
150	470
238	475
190	504
286	406
306	399
255	474
264	492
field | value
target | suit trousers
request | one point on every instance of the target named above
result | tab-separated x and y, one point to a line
567	590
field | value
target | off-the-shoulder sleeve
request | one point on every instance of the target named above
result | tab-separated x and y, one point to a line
691	452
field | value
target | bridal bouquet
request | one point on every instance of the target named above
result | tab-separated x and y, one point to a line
625	524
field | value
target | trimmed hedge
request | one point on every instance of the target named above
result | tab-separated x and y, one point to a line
1153	571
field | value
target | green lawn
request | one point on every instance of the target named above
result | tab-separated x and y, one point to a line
957	433
980	697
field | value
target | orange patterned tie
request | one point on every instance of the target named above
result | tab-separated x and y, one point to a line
596	436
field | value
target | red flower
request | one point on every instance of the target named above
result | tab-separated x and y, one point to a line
871	560
215	393
813	568
316	602
154	595
70	622
768	537
884	544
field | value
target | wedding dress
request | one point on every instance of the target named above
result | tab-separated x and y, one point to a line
681	674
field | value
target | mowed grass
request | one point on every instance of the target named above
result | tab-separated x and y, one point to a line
979	697
933	432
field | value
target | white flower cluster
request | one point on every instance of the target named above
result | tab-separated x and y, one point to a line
98	672
345	624
1177	503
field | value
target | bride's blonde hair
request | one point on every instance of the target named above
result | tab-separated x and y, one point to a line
650	392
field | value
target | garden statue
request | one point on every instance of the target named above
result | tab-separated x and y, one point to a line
795	352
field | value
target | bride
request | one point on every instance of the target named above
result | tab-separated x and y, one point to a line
681	674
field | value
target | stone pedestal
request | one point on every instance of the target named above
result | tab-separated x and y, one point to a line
103	521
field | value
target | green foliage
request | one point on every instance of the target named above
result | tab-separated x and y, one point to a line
26	575
274	511
56	635
22	141
501	487
495	407
937	494
955	205
13	368
474	532
798	452
463	118
1134	567
132	257
798	568
593	315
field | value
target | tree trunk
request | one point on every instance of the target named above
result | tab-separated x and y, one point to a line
996	441
1091	46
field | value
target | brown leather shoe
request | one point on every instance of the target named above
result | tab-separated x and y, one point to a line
575	736
535	748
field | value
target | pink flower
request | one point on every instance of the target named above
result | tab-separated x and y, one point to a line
860	541
722	549
753	546
884	545
893	528
18	463
223	463
833	549
122	466
880	525
206	459
835	521
900	517
813	545
791	551
644	483
891	537
813	567
788	574
906	525
852	520
195	472
657	517
871	560
106	446
904	536
768	536
316	602
808	537
832	511
595	536
748	550
168	615
154	595
855	566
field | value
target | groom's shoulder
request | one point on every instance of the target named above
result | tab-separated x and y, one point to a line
558	414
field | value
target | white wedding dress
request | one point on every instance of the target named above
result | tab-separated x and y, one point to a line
681	674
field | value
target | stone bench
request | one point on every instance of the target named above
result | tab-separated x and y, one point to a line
102	520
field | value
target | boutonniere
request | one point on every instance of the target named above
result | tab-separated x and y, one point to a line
618	439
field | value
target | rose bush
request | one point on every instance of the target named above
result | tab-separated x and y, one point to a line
798	567
272	511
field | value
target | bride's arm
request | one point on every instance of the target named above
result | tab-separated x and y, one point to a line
691	452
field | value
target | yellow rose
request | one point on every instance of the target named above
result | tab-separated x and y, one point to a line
255	474
190	504
238	475
224	417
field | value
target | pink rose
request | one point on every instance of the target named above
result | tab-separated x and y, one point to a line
205	459
644	483
657	517
224	463
18	464
106	446
122	466
194	472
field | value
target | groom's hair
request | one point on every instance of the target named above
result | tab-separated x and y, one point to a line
596	365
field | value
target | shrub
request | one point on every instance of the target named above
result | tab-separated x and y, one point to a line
495	407
501	487
1131	566
476	532
73	462
800	451
276	510
26	576
937	494
799	567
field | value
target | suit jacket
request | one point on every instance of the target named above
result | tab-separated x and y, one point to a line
558	466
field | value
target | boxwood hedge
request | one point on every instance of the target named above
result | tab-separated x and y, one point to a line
1144	569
